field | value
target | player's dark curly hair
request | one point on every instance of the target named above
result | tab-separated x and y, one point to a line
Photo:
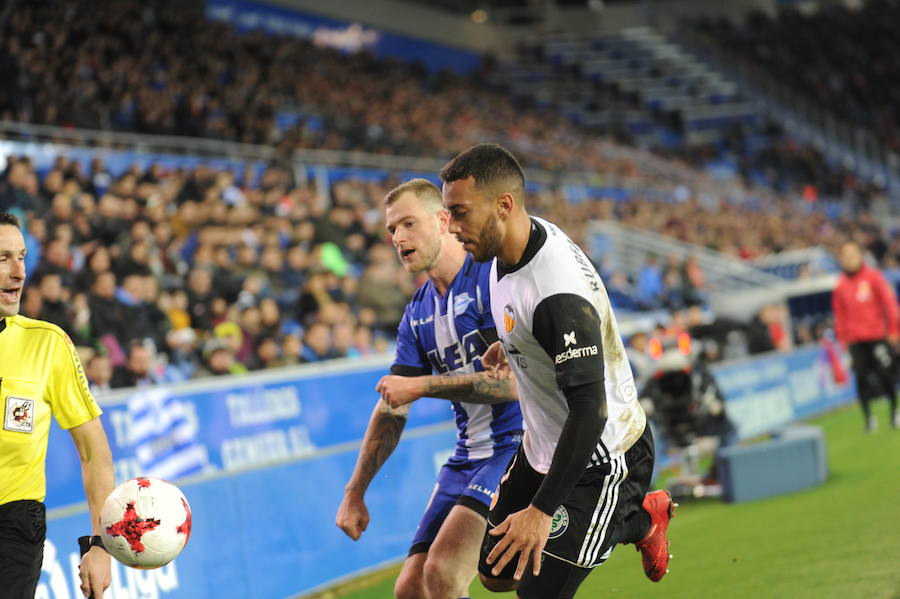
489	164
9	219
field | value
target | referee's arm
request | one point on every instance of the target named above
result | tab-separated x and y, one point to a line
98	478
568	328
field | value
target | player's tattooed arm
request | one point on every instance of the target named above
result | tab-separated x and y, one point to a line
381	438
479	387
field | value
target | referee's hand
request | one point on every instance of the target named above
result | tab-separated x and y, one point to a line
94	572
525	533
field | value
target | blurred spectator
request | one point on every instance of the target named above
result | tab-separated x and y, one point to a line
98	262
381	290
219	360
767	331
649	284
621	293
363	341
270	317
181	349
136	371
54	307
98	370
693	281
251	328
106	311
342	340
291	350
317	345
268	353
759	339
200	296
639	359
673	296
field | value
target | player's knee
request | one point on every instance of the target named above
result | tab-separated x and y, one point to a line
441	579
408	587
498	585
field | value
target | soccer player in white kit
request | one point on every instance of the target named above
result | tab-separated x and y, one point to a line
578	484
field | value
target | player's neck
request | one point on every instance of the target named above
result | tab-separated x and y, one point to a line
518	230
445	268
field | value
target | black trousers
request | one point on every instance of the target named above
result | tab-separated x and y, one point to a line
875	370
23	527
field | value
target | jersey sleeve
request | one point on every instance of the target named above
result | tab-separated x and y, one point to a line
68	392
409	359
568	327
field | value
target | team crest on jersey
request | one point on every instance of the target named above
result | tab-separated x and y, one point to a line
560	522
509	318
19	415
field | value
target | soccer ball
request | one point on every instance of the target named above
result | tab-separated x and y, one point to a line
145	522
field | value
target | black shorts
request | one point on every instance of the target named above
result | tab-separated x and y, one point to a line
23	527
587	525
875	368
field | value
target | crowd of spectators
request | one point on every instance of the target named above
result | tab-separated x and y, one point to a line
843	59
171	274
124	68
168	275
127	71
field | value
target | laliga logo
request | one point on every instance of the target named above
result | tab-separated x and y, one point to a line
127	583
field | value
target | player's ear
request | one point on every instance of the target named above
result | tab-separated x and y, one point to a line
443	216
505	204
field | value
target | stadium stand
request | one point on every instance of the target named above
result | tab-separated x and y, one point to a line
259	259
838	57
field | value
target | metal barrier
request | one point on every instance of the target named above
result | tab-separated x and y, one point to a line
629	248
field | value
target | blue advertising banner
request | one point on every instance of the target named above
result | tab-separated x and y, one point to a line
349	37
269	533
232	424
277	449
763	393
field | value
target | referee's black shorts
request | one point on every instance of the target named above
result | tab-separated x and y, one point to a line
585	527
23	527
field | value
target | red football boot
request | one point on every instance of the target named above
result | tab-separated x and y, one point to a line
654	547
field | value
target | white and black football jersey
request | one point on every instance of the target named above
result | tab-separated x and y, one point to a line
558	329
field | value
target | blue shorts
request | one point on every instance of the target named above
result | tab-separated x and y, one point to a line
472	483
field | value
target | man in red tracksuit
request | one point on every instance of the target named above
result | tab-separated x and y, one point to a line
867	323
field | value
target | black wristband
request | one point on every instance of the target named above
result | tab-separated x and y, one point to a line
86	542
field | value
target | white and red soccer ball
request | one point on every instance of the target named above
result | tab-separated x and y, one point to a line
145	522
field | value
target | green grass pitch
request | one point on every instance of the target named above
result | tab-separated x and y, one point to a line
840	540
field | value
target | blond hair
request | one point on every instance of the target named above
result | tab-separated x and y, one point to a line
424	190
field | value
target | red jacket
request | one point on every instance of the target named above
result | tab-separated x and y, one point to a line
865	307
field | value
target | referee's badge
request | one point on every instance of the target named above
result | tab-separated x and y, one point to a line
19	415
560	522
509	318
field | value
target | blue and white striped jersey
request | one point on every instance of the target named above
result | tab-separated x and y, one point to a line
447	335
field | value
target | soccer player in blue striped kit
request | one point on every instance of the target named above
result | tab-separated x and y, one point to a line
445	330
